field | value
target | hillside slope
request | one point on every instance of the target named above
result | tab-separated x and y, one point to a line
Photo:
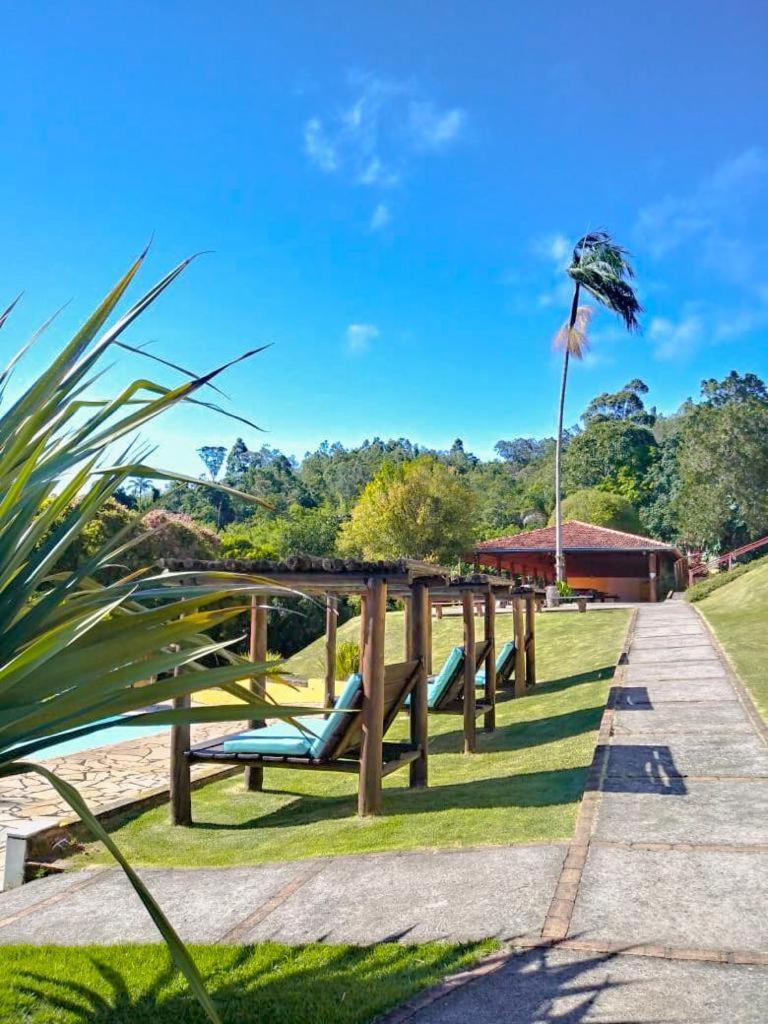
738	613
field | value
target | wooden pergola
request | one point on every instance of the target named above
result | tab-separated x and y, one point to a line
415	584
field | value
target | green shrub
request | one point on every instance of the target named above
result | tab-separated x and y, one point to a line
347	659
712	583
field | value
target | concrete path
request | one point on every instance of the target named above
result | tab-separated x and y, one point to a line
656	911
660	911
451	895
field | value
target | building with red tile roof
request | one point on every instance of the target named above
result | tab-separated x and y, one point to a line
627	565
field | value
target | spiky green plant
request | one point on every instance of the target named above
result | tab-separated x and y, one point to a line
73	644
603	269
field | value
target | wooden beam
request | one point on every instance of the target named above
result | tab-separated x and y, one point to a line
181	770
489	722
331	620
519	627
371	755
257	652
530	640
470	725
417	650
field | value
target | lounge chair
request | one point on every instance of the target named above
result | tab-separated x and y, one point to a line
331	744
505	666
445	692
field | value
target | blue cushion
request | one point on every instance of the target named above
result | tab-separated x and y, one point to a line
286	739
282	738
333	726
453	664
503	658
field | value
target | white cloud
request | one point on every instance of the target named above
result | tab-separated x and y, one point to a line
380	217
554	248
318	146
433	128
375	140
710	215
675	339
360	336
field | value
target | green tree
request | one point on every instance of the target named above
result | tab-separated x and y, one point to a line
213	458
601	508
723	460
612	455
661	487
736	387
600	267
624	405
418	509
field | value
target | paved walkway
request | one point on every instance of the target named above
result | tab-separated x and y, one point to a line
655	911
660	911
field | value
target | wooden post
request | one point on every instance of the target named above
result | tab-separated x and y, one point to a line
406	627
652	565
530	640
331	618
429	635
257	651
470	724
371	757
519	627
181	772
489	721
362	629
417	649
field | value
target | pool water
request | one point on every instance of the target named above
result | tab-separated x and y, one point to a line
114	734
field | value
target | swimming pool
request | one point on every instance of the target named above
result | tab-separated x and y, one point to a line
114	734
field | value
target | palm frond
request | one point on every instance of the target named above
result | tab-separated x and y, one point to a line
573	339
602	268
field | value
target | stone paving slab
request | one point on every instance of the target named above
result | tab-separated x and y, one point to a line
694	900
653	654
455	896
17	901
662	630
203	904
673	691
662	756
670	640
734	812
726	717
540	987
416	897
645	673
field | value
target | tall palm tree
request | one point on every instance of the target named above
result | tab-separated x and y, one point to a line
602	268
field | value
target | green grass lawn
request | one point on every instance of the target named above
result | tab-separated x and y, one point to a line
264	984
523	785
738	613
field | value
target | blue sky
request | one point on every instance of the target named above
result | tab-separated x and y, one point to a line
390	191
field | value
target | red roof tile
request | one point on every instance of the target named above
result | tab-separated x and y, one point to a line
577	536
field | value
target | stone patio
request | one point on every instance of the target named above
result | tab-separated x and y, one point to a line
104	777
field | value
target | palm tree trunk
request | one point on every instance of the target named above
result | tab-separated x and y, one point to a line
559	558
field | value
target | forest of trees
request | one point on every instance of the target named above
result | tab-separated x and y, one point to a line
698	478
